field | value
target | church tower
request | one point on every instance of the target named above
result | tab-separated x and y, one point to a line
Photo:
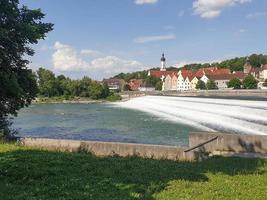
163	63
247	66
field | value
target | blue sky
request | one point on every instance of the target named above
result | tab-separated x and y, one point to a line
100	38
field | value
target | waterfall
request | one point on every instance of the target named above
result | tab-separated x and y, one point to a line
206	114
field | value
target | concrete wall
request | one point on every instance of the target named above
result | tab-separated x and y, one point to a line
110	148
225	144
235	143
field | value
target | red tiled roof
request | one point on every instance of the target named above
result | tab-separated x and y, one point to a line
220	77
239	75
159	74
134	84
185	73
222	71
264	67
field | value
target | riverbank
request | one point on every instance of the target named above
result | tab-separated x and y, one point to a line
81	100
30	173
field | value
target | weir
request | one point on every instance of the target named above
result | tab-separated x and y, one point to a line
206	114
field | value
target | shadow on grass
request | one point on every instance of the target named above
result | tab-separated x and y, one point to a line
34	174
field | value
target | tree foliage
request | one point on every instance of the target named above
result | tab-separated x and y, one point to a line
50	86
158	86
234	83
211	85
250	82
201	85
20	28
235	64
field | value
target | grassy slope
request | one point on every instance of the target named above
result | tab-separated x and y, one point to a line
36	174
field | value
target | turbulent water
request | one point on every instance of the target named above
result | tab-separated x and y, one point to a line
224	115
150	119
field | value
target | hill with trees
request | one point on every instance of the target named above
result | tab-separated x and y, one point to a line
234	64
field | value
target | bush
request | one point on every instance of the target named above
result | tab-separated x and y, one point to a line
250	82
234	83
158	85
114	97
211	85
265	83
201	85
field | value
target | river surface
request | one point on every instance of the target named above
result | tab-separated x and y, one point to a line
150	119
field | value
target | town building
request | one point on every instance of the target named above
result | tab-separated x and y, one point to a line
263	72
114	84
162	73
170	82
247	66
135	84
144	87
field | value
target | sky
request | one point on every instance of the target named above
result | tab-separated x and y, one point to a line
101	38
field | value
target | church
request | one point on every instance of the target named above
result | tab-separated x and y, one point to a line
162	73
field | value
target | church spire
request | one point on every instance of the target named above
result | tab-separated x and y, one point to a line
163	63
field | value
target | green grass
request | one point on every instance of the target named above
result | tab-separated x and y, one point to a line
37	174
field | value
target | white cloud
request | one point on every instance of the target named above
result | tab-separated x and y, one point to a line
213	8
66	58
141	2
154	38
256	15
90	52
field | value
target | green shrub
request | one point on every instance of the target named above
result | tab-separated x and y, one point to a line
114	97
234	83
201	85
211	85
250	82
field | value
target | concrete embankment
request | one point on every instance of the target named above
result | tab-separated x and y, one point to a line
111	148
237	94
230	144
200	145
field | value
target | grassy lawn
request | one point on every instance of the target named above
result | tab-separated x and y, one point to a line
37	174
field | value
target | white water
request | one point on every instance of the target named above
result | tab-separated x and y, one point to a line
207	114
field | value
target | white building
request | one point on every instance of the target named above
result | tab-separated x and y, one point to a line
263	73
183	81
170	82
204	78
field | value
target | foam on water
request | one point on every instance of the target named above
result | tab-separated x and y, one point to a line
207	114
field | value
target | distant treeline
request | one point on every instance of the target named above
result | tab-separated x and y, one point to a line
50	85
235	64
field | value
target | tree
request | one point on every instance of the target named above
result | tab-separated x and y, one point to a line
96	90
211	85
234	83
48	86
106	91
201	85
250	82
20	28
158	86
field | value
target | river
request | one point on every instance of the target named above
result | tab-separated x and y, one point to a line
149	119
